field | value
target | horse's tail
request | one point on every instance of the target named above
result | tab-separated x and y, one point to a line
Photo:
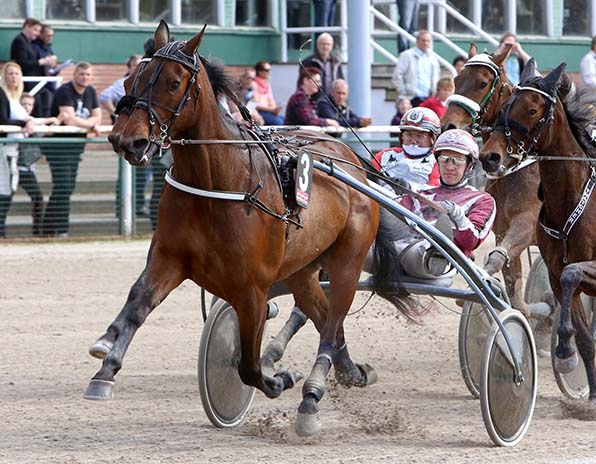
387	270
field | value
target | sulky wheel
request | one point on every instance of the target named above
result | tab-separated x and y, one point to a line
539	297
474	326
574	384
225	398
507	405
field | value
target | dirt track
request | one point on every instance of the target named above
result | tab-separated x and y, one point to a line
57	298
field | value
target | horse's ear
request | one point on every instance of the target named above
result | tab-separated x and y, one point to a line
193	44
162	35
529	70
553	78
499	58
473	50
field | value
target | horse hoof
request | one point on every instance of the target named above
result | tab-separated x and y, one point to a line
566	365
369	373
308	425
100	348
102	390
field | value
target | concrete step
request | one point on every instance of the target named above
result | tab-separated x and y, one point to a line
86	204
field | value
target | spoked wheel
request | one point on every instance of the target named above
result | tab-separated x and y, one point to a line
507	406
574	384
225	398
474	326
537	293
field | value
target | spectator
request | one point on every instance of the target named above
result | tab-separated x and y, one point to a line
587	74
459	63
263	95
301	110
417	71
470	211
29	154
402	104
245	90
413	164
75	104
324	12
108	100
438	104
408	20
514	65
329	66
43	48
11	89
24	53
337	107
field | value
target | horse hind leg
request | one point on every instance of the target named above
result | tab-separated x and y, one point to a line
147	292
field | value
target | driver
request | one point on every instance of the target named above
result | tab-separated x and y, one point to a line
412	165
471	213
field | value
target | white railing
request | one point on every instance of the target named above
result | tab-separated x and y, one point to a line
41	82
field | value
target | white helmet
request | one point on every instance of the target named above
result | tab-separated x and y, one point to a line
421	119
459	141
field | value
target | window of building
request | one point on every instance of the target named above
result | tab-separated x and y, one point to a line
252	13
110	10
200	11
14	9
531	17
65	9
493	16
464	7
576	17
154	10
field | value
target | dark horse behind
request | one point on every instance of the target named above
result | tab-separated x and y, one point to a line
535	122
223	223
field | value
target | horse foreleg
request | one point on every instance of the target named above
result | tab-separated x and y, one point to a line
148	291
566	356
584	340
347	372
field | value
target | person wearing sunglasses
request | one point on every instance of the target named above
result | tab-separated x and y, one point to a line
470	213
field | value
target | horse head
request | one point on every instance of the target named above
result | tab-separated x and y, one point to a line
478	88
158	93
525	123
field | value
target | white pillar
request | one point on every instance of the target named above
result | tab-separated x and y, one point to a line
360	57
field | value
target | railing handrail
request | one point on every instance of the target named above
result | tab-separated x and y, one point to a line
41	82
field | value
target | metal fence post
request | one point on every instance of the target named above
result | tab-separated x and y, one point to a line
126	225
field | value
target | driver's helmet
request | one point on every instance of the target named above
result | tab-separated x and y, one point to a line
459	141
421	119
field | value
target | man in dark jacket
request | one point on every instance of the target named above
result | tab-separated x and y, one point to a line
322	59
23	52
337	107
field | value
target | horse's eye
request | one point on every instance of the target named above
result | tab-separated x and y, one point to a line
175	85
533	112
483	85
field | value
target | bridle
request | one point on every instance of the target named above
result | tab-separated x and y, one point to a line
478	111
521	148
172	51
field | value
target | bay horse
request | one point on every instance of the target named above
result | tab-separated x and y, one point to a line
536	122
480	91
223	222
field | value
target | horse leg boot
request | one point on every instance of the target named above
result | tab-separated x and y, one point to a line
308	421
347	372
277	346
143	297
584	340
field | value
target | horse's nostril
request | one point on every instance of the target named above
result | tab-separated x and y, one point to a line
140	145
493	159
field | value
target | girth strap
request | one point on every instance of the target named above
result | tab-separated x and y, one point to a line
573	217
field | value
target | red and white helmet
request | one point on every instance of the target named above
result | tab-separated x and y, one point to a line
459	141
421	119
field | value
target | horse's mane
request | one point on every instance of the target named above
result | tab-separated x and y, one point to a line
580	115
223	84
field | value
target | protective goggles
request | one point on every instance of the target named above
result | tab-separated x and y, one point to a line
444	159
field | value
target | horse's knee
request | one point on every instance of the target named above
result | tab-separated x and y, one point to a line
571	276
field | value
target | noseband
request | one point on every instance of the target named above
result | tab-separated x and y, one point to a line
505	124
172	51
477	111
